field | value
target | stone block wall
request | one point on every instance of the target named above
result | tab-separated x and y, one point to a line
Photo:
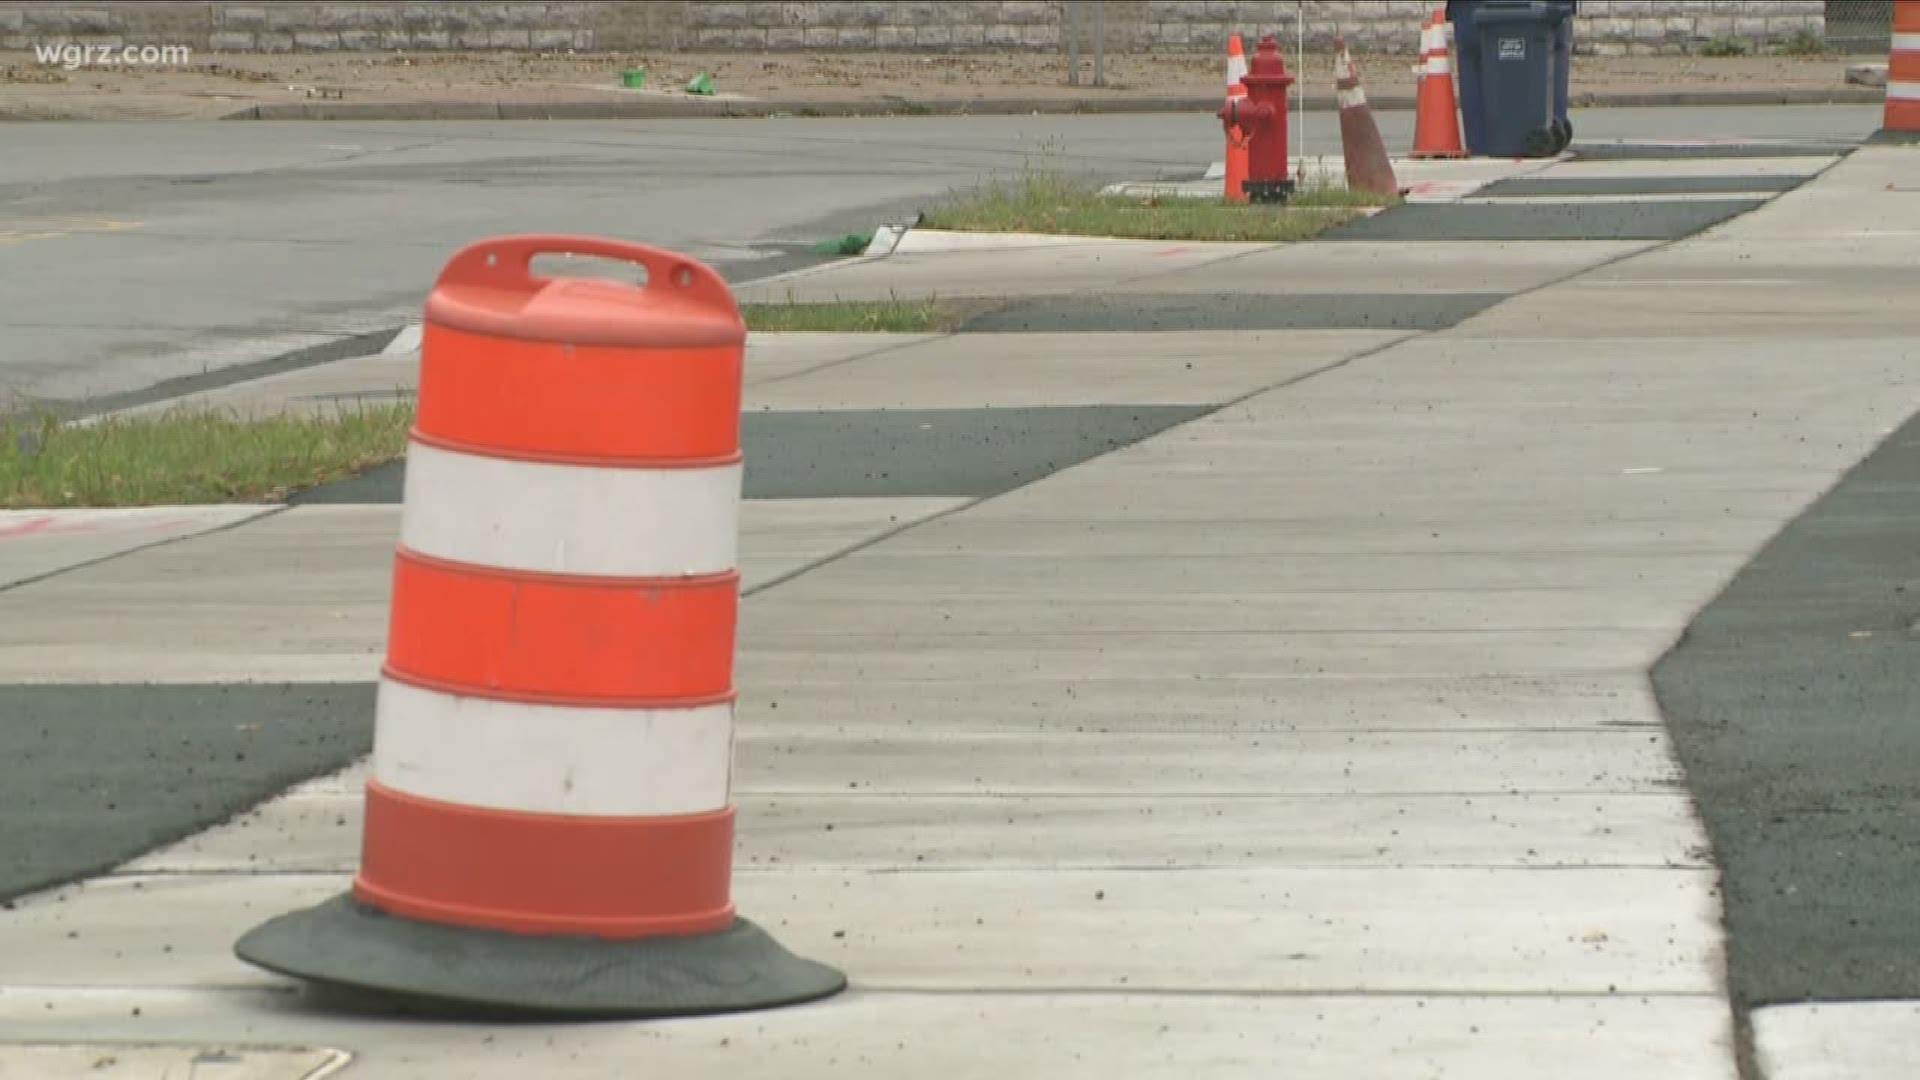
1650	27
992	24
1605	27
288	27
311	27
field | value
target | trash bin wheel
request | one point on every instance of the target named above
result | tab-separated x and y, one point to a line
1541	142
1563	129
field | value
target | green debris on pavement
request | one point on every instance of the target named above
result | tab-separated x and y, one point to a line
700	84
850	244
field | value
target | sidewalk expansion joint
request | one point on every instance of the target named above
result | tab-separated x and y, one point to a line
970	504
11	989
265	513
1220	796
833	870
1306	632
1308	993
882	350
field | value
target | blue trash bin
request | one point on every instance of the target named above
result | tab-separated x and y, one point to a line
1517	44
1563	70
1466	51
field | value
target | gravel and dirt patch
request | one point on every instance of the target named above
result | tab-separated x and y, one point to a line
215	85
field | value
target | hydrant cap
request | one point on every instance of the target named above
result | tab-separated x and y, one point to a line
1268	68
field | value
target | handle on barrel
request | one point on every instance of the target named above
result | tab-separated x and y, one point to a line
506	263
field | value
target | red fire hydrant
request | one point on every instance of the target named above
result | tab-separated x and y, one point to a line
1262	115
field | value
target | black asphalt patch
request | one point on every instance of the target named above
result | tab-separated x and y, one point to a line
96	775
1794	700
887	453
383	484
1236	311
1668	220
1636	185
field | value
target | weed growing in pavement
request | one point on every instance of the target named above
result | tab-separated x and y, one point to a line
893	315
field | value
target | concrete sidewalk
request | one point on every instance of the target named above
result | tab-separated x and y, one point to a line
1314	735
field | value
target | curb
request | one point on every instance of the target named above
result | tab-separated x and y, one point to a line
344	347
681	108
390	340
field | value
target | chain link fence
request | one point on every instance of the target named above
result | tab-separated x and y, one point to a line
1859	26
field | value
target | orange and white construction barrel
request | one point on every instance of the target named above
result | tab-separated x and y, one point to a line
549	824
1901	122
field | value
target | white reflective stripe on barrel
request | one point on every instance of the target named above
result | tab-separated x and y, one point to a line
552	759
571	519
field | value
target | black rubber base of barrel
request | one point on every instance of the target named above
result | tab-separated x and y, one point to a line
362	959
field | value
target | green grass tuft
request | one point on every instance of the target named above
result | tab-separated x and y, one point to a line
891	316
1048	203
186	457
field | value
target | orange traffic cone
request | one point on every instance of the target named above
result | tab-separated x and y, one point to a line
1902	121
1436	125
1237	140
1368	168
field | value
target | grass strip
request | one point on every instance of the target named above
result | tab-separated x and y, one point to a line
1044	203
891	316
187	457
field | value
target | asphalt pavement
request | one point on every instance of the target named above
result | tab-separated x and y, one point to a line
1794	701
100	774
137	253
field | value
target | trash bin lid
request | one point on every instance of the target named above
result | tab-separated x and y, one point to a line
1516	12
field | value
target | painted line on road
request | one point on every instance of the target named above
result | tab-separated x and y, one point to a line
121	1058
406	341
53	228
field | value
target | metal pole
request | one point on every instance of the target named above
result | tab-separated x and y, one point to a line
1300	72
1073	44
1100	43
